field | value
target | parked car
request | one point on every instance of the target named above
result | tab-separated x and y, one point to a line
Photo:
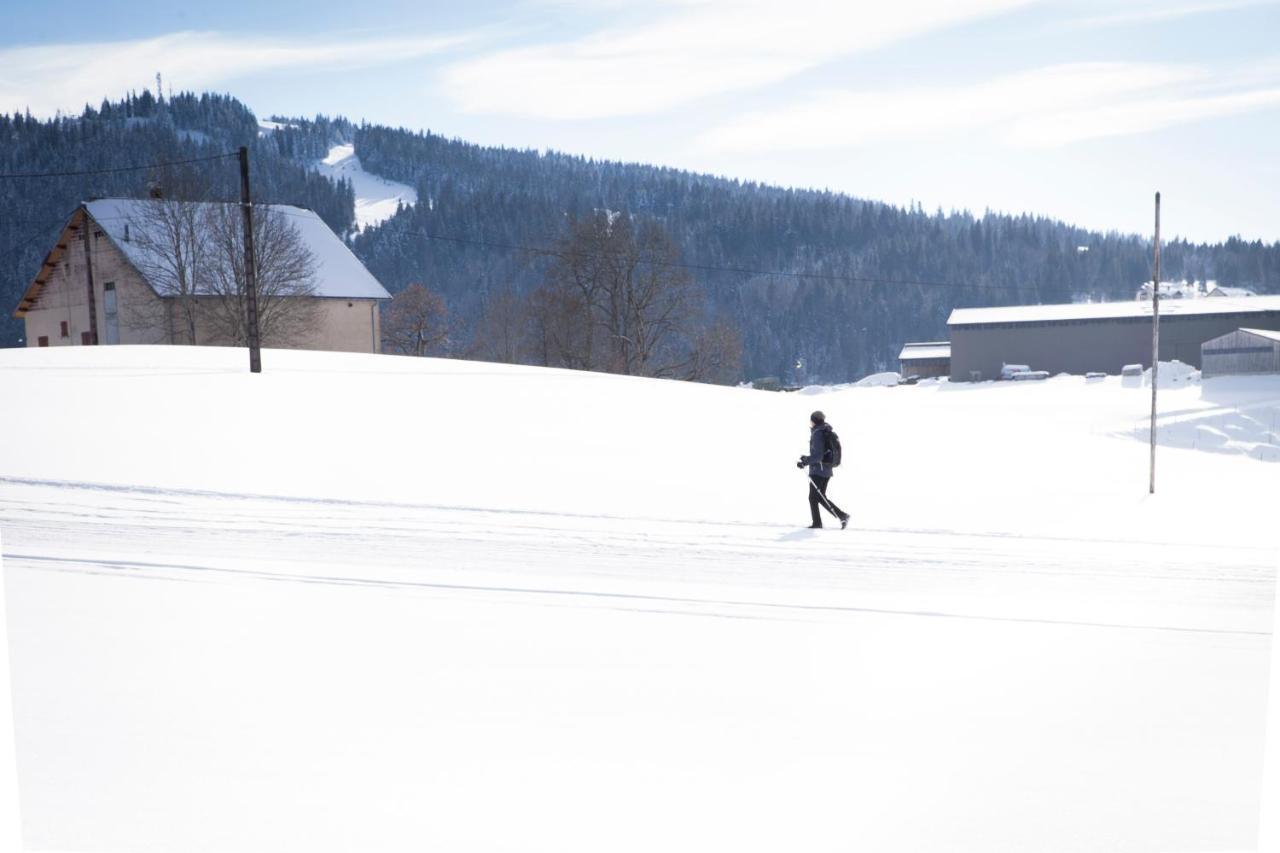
1009	371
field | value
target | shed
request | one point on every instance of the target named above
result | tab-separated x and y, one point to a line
925	359
1240	352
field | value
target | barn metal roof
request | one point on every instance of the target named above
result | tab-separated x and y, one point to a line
925	350
1263	333
1112	310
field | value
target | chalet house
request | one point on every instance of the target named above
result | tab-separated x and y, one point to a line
98	285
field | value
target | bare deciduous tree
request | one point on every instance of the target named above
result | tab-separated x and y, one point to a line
505	331
285	278
616	298
415	322
172	254
561	327
192	254
715	355
652	303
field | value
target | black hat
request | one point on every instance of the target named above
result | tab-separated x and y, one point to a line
818	418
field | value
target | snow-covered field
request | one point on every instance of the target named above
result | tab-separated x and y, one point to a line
375	603
376	198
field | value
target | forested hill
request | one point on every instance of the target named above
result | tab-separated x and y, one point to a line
839	325
478	204
136	131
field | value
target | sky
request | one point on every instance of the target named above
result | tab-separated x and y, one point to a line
1076	110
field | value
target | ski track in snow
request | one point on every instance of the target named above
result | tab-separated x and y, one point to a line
625	563
1096	635
376	198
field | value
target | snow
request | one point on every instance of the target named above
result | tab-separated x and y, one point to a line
377	603
876	380
1264	333
1172	373
376	198
10	830
266	126
1102	310
929	349
338	272
1269	828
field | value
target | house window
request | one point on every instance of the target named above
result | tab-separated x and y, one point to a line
66	333
43	341
84	339
110	309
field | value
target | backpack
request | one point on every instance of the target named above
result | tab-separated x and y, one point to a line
832	453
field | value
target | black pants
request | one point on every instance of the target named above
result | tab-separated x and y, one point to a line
818	497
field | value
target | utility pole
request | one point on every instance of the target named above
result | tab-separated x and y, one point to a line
250	268
1155	347
88	275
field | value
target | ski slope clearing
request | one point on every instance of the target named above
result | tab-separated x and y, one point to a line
378	603
376	198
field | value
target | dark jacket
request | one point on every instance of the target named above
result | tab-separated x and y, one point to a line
817	458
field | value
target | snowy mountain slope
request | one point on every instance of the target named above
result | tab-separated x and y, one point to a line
483	607
376	198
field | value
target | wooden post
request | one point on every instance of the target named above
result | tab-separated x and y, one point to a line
250	268
1155	347
88	275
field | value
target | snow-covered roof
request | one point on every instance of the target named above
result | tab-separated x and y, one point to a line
1264	333
338	272
925	349
1111	310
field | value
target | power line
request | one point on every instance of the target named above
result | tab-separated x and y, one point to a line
842	279
547	251
16	175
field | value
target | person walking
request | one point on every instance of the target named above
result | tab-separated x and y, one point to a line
821	460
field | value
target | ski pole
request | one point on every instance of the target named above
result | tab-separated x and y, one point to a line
825	502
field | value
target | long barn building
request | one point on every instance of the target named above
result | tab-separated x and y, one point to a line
1101	337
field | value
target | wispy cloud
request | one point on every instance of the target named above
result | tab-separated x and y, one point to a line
51	77
1041	108
689	50
1163	12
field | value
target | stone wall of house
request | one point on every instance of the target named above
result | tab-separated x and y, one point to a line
61	314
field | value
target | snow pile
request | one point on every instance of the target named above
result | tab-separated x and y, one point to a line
878	380
376	198
1248	425
370	603
1172	374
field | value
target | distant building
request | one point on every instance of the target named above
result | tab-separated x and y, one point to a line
925	359
1177	289
126	306
1219	291
1095	337
1241	352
